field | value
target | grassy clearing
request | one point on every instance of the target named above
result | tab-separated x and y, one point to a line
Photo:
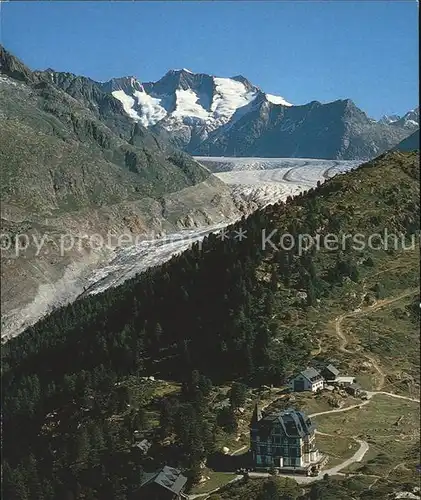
391	428
232	441
216	480
338	449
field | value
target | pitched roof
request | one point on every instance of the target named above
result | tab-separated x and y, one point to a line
294	423
311	374
143	445
345	379
332	369
168	477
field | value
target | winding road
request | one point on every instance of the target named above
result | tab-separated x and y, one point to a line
363	445
343	343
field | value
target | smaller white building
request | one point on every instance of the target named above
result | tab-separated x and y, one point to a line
344	381
307	380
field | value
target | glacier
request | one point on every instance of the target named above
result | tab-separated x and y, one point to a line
261	180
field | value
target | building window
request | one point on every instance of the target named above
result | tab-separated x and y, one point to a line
277	440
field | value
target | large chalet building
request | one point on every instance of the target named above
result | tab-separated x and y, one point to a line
284	440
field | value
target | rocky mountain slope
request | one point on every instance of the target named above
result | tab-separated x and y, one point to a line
75	165
411	143
208	115
336	130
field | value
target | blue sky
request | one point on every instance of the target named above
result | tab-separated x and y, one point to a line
303	51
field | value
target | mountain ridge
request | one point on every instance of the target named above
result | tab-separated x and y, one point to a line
206	115
73	163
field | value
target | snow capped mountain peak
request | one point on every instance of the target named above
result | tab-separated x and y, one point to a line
127	84
388	119
182	70
193	104
179	72
410	120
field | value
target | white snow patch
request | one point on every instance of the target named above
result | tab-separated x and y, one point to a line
275	99
152	109
187	105
230	101
230	95
127	102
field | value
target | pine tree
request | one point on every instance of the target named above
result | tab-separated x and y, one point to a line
14	483
97	443
32	479
83	447
226	419
238	394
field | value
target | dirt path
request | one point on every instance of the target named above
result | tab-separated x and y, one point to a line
343	341
392	395
370	394
236	452
356	457
340	410
388	474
